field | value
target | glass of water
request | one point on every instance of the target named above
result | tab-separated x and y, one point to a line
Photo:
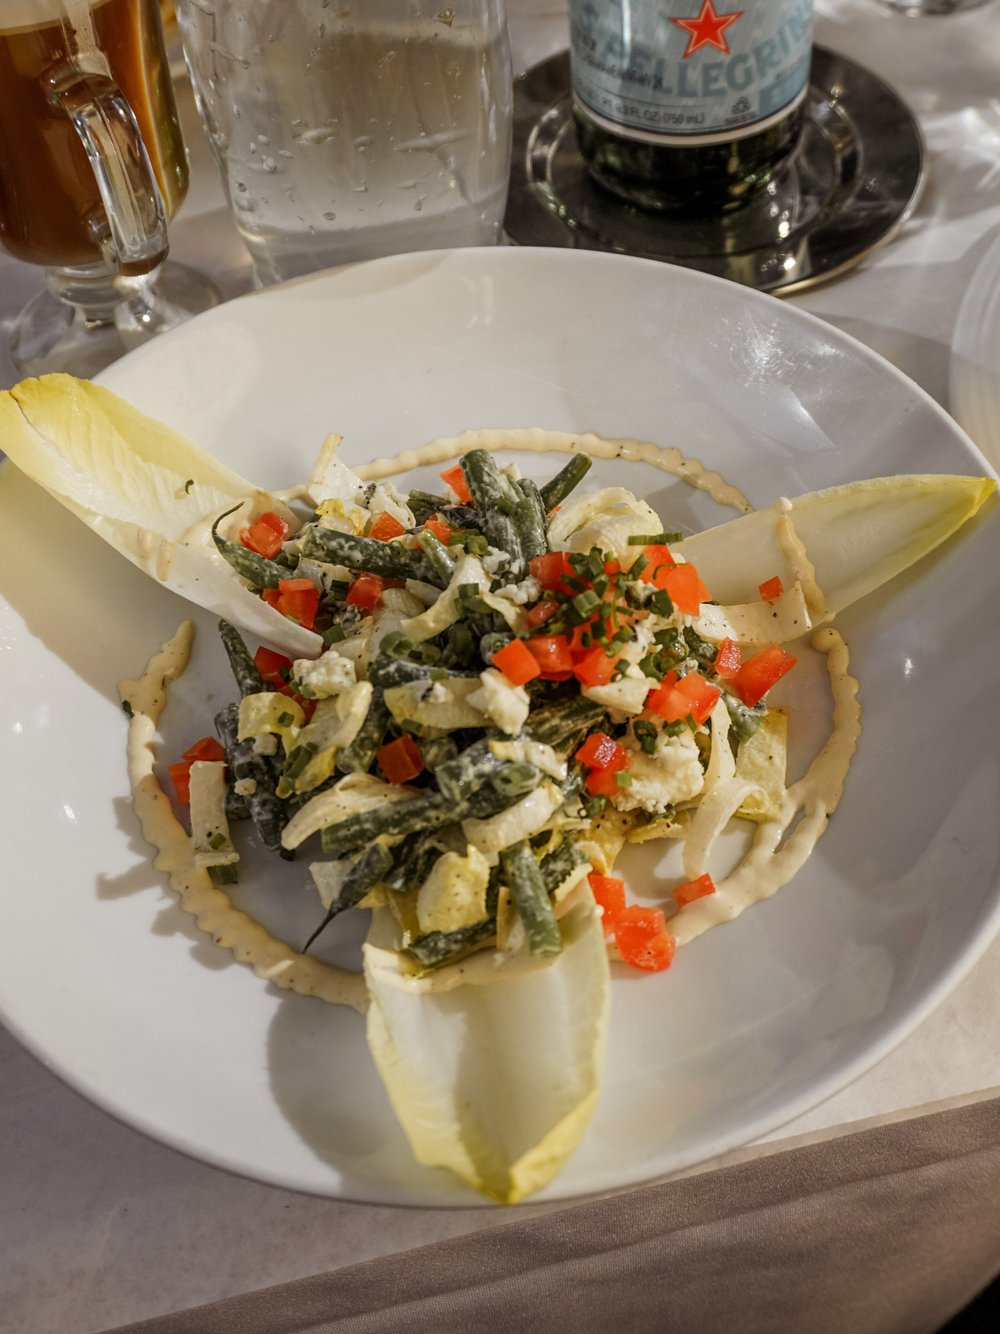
350	130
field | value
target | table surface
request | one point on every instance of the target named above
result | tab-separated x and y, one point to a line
100	1226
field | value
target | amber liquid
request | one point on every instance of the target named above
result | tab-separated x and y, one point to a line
47	187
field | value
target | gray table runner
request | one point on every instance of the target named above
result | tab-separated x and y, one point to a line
884	1231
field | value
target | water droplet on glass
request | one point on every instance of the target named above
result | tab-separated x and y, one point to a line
268	163
330	216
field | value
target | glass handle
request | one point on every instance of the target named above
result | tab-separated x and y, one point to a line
132	235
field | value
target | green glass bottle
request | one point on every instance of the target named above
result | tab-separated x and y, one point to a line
688	105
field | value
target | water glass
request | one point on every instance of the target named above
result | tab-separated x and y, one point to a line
348	131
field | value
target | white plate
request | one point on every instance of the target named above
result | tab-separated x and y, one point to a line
974	391
104	978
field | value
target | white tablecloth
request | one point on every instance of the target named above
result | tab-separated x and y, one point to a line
99	1226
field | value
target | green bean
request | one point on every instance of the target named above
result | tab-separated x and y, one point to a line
557	488
390	560
385	671
437	553
460	516
467	771
412	862
437	947
394	819
496	501
267	812
529	516
528	893
554	722
248	678
556	865
357	757
423	504
428	811
236	807
438	750
363	876
516	780
255	569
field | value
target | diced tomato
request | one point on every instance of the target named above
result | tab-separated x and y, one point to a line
687	592
612	567
208	748
728	660
455	478
366	591
540	612
771	589
265	535
439	528
552	653
400	760
180	776
694	889
298	599
595	668
273	667
609	895
675	699
601	751
551	569
604	782
385	527
659	561
517	662
643	940
759	673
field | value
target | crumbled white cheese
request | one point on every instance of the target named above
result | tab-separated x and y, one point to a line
326	675
504	704
671	775
626	695
495	560
528	590
265	743
245	787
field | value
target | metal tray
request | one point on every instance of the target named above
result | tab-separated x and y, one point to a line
853	180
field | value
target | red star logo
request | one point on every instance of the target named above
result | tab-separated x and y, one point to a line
708	29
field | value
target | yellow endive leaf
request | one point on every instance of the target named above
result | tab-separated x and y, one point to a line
493	1064
856	537
146	490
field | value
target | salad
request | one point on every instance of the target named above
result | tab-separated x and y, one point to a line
482	693
512	682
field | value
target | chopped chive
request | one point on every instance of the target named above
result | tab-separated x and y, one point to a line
654	539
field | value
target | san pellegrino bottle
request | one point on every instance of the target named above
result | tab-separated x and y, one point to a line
688	105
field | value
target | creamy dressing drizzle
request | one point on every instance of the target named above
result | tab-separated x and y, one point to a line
211	908
771	862
794	551
534	440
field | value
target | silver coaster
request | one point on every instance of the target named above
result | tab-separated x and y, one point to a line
853	180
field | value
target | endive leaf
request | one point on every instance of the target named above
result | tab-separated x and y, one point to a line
493	1065
856	537
145	489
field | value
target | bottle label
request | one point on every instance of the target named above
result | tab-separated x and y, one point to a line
689	71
